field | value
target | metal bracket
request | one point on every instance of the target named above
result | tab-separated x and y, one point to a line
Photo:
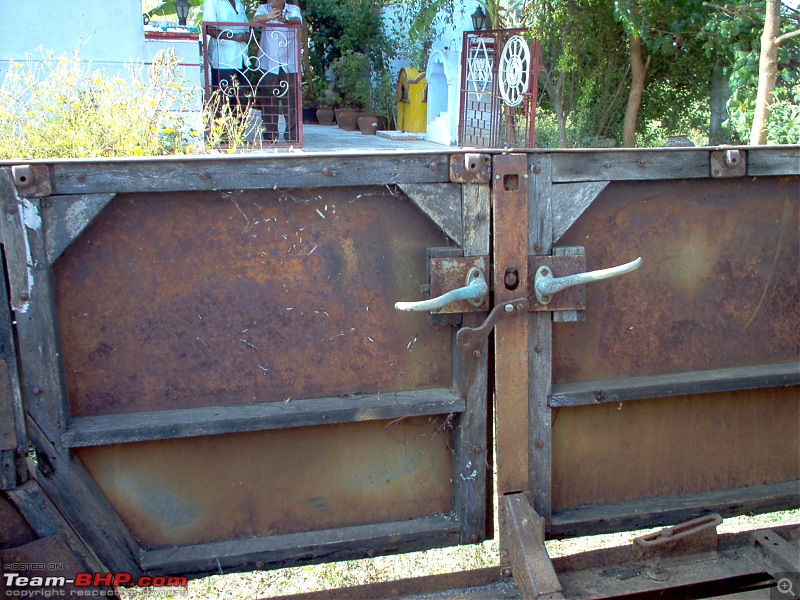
470	168
728	163
32	181
778	550
697	535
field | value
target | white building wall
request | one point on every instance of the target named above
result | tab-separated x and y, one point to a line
443	74
107	33
110	33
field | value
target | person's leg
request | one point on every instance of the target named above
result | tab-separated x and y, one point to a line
290	102
270	105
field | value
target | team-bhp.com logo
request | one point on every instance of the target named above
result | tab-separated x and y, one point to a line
85	584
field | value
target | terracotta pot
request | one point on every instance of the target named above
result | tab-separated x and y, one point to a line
325	116
347	119
368	124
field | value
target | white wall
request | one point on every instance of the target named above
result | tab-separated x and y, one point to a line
445	65
107	32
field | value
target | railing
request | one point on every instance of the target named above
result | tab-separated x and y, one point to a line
262	75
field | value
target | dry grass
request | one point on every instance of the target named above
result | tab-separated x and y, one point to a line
265	584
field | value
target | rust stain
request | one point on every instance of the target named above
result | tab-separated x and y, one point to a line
710	249
184	300
276	482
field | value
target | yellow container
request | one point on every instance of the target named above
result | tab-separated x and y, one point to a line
412	107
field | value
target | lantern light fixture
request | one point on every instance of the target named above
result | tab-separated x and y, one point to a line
182	9
478	19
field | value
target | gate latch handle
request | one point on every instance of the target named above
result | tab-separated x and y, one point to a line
474	291
545	285
467	337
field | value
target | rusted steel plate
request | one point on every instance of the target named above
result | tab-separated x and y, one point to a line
208	299
510	277
673	446
201	490
718	287
448	274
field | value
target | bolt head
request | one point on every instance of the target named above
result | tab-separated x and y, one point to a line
509	307
476	353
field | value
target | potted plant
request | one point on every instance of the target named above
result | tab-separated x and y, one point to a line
352	83
325	103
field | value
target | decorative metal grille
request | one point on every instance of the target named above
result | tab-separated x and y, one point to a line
498	89
273	101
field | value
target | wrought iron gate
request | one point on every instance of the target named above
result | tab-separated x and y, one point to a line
499	78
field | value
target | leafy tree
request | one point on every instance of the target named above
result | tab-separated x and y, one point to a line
771	40
733	33
584	72
655	28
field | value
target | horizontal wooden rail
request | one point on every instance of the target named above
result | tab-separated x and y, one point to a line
216	420
314	546
675	384
655	512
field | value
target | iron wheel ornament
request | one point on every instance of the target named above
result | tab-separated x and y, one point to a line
514	71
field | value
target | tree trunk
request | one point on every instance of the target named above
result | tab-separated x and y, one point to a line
638	73
767	72
720	94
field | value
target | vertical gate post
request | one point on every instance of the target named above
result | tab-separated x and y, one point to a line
510	227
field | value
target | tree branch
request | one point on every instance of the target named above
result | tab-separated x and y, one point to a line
787	36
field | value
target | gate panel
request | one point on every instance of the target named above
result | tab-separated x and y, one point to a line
246	291
663	447
256	484
221	377
670	390
721	264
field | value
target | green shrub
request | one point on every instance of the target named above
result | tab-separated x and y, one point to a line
59	107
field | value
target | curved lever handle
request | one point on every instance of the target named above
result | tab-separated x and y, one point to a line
545	285
474	291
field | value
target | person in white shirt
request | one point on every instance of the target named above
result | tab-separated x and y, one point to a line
227	46
278	58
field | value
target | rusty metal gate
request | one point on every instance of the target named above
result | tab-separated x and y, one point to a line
214	375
